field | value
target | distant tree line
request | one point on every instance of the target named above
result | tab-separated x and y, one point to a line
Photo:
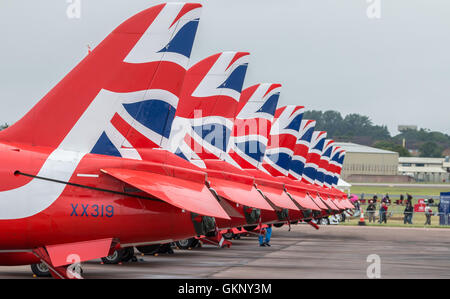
429	143
360	129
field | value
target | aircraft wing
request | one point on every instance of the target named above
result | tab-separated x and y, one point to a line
344	201
277	196
329	202
273	189
318	201
190	195
304	200
338	203
235	185
239	193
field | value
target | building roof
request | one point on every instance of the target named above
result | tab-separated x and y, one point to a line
421	160
413	169
358	148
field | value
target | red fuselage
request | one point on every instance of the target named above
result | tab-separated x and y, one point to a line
92	205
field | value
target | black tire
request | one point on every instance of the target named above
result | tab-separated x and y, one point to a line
249	228
149	249
228	236
127	254
41	270
278	224
114	258
166	248
187	243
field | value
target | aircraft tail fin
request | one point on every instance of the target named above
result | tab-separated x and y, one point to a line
301	149
283	136
322	173
314	155
208	103
250	135
339	167
123	94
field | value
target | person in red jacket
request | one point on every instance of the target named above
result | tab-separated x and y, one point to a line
383	213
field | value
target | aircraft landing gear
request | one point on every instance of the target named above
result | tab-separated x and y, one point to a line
114	258
187	243
250	227
121	255
41	270
127	254
228	235
149	249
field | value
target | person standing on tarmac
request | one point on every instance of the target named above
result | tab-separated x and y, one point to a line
408	213
371	211
268	235
428	213
264	236
383	213
409	198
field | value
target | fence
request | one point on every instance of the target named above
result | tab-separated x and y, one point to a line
365	197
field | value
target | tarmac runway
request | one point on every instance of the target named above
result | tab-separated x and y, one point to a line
331	252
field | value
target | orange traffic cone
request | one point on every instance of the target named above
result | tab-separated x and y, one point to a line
361	218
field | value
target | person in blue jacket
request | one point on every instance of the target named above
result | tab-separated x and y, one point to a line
265	240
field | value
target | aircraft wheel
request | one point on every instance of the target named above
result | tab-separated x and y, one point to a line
324	221
149	249
187	243
127	254
114	258
278	224
228	236
40	270
250	227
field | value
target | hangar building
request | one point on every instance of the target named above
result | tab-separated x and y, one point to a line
365	164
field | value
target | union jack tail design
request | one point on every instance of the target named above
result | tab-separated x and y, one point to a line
301	149
322	170
283	137
314	155
329	177
339	162
252	125
123	95
208	105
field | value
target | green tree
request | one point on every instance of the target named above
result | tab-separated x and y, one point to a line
430	149
391	146
352	128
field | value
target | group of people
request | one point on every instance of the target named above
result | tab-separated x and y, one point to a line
407	213
371	208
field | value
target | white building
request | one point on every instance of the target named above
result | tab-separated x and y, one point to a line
425	169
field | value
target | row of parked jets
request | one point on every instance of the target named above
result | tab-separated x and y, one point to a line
134	149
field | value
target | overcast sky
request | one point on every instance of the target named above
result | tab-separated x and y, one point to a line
327	54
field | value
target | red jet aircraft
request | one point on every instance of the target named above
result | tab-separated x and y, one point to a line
80	175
